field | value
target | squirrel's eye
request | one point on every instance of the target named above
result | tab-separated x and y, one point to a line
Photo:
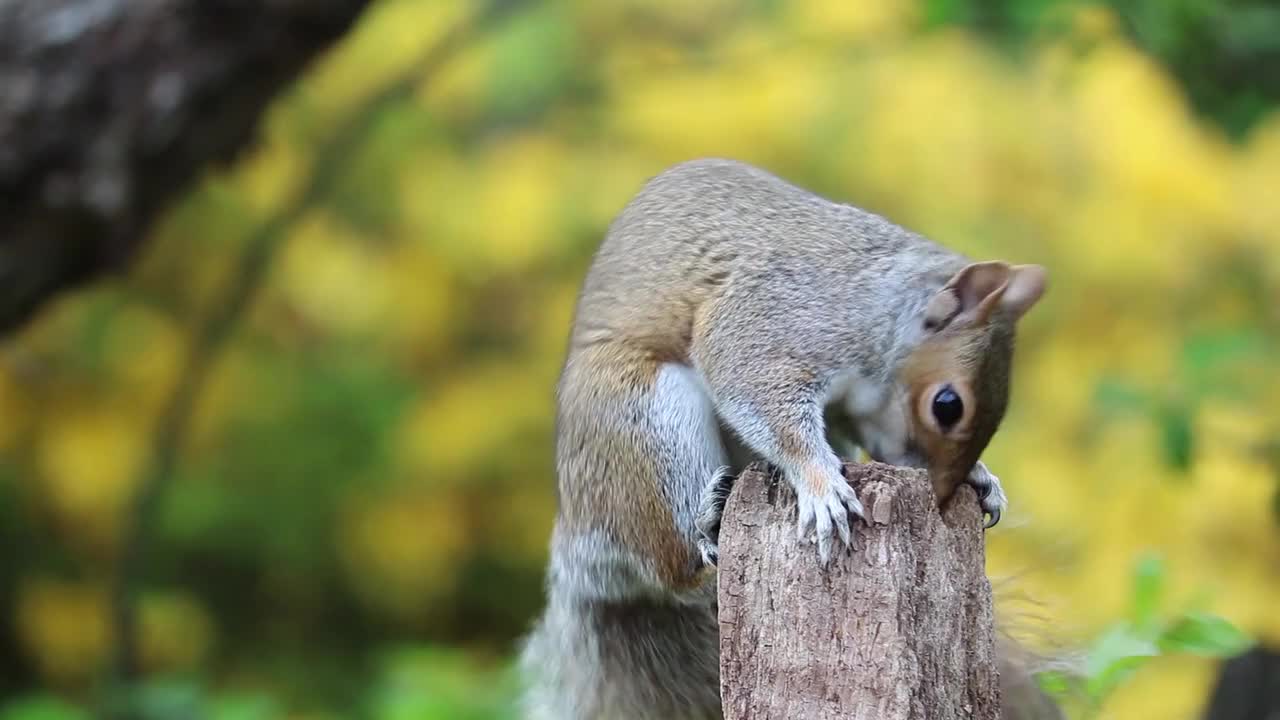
948	408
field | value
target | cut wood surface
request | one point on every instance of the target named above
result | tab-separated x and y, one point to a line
898	627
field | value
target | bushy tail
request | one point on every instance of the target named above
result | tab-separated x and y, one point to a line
1020	625
635	660
1020	696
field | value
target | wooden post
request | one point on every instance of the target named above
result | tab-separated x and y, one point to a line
899	627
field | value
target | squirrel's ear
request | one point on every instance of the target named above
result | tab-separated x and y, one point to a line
1026	284
969	296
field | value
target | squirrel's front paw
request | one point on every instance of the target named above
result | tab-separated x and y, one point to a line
824	504
990	494
710	509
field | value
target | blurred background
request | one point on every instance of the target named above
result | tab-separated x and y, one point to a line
336	498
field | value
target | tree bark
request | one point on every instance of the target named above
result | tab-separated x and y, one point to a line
109	109
898	628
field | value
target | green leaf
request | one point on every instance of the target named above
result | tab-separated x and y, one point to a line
533	63
245	707
1275	504
1212	362
166	698
428	683
1148	587
359	194
1205	634
1178	437
1114	396
946	12
1054	683
41	707
1115	656
1253	29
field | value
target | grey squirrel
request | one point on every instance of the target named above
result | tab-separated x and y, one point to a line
730	316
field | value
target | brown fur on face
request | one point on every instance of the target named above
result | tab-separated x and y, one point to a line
975	365
970	348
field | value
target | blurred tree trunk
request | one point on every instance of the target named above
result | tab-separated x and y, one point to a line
1248	688
109	109
901	627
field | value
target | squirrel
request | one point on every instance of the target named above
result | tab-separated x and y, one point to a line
730	316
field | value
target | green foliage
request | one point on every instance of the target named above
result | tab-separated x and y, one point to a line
359	195
1222	51
409	684
533	64
41	707
418	684
1143	636
1213	366
1200	633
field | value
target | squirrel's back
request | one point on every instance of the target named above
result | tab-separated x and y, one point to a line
703	225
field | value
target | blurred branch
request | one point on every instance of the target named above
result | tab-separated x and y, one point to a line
225	313
108	111
1248	686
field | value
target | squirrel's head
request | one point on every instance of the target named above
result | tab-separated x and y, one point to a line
956	381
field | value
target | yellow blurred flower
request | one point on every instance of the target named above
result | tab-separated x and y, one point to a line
426	303
518	523
144	350
457	91
519	200
1094	21
870	21
176	632
458	424
402	551
390	37
1148	149
496	214
64	627
1169	688
756	109
948	89
273	171
334	278
90	458
667	17
1254	189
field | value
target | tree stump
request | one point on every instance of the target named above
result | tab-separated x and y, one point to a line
898	627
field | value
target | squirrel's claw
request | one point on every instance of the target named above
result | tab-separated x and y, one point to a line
990	495
710	510
993	517
822	516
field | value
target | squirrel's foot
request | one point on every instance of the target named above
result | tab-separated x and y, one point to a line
710	509
822	512
990	494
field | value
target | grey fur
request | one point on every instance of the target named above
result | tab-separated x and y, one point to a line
645	659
